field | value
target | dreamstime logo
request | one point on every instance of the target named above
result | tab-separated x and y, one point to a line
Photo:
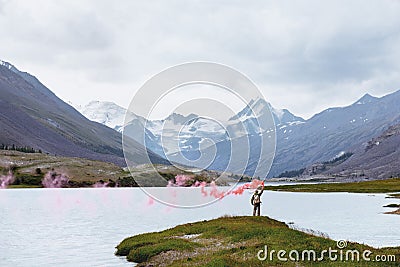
341	244
330	254
218	119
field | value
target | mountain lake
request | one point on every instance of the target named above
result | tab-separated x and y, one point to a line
81	227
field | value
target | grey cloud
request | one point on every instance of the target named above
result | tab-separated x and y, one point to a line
306	49
54	30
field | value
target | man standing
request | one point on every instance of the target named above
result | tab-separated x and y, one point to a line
256	200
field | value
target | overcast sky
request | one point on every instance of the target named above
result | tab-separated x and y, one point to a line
304	55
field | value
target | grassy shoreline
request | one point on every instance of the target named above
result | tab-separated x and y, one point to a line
377	186
235	241
29	169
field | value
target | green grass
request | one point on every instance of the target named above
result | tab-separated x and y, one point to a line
24	186
142	247
377	186
394	196
234	241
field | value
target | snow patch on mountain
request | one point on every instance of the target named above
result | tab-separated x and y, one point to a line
104	112
6	64
366	99
279	113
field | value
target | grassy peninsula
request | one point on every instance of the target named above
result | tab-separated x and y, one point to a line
235	241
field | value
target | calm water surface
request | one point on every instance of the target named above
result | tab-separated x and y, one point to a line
81	227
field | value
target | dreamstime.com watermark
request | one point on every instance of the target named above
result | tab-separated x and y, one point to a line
340	253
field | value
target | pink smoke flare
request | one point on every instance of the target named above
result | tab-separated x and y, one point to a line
216	193
54	180
6	180
253	185
185	180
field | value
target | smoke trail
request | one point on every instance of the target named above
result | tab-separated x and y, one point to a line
253	185
54	180
6	180
182	180
215	192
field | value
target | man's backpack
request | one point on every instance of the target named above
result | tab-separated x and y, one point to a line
257	199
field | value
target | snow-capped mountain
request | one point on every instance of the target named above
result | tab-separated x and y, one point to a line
179	133
366	99
259	107
185	133
245	132
299	142
184	138
107	113
257	111
6	64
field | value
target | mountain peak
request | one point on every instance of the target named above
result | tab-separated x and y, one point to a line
260	101
259	107
6	64
177	118
103	104
253	109
104	112
367	98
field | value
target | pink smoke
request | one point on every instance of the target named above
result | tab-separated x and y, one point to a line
54	180
185	180
100	184
181	180
150	201
6	180
197	184
253	185
216	193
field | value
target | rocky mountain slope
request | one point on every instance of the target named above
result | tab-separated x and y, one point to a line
333	131
377	158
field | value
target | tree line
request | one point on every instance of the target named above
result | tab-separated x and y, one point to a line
25	149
